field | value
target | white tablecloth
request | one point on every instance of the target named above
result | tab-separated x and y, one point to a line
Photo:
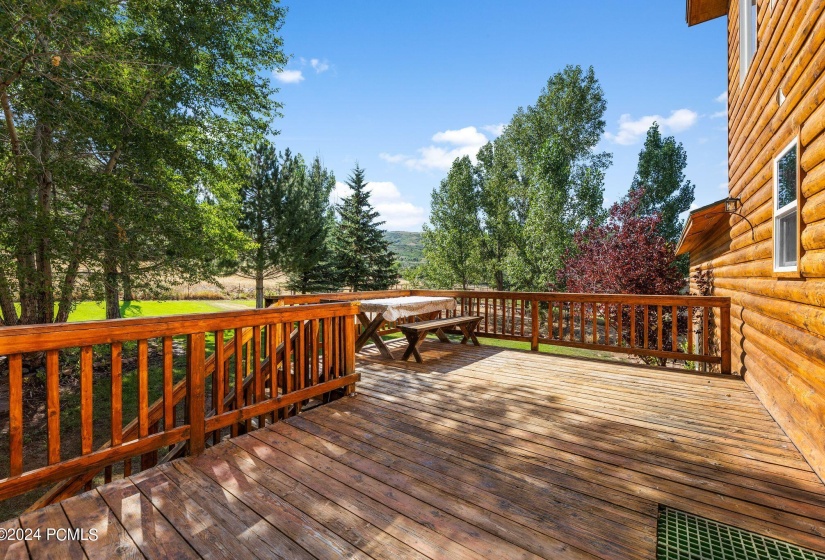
395	308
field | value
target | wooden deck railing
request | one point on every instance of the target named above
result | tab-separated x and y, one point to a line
279	358
688	328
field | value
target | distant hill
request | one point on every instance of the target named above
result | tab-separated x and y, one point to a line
407	245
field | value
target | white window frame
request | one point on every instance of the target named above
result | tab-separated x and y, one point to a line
745	54
779	213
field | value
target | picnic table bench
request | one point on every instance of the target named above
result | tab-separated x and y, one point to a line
418	331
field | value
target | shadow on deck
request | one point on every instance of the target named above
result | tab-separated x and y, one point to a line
476	453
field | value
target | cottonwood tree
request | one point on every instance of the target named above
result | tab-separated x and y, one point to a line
362	254
108	109
452	238
560	182
497	178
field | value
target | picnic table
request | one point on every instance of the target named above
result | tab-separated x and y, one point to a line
391	309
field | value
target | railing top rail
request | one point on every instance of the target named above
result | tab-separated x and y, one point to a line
39	338
341	296
641	299
708	301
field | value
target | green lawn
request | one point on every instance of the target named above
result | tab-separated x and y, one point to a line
95	310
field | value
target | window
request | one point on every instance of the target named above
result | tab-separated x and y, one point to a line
785	209
747	36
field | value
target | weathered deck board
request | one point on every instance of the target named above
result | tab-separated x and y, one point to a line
476	453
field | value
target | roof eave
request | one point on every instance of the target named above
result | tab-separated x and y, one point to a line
700	11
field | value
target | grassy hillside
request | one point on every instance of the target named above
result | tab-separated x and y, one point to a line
407	245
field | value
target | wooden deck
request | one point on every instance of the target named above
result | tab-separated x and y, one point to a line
476	453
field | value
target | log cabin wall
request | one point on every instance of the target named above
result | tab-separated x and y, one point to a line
778	321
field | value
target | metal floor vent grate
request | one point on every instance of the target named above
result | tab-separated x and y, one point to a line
682	536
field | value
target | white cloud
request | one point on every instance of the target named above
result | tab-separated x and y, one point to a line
721	98
494	129
290	76
398	213
319	65
631	131
455	144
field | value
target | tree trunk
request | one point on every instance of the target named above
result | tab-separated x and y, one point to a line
259	289
112	296
111	282
499	280
126	278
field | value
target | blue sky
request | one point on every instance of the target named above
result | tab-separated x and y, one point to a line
404	87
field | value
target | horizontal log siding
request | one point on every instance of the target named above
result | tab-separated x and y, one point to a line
778	324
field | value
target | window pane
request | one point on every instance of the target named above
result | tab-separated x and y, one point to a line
786	244
786	179
752	31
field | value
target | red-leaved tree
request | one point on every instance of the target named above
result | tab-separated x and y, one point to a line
626	255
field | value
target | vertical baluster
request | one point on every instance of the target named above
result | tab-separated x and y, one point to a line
237	340
195	368
86	404
300	361
659	324
168	385
521	333
53	406
116	395
15	362
607	323
619	324
143	398
674	323
534	325
647	327
633	326
327	334
287	363
313	344
256	371
581	322
218	382
513	309
271	334
504	316
690	329
561	318
705	331
349	351
495	318
595	334
486	314
333	342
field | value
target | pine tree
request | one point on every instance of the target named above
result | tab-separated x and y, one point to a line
362	254
262	206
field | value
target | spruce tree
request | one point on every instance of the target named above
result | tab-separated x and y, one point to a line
362	254
308	221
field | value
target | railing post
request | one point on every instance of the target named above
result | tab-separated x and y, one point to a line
534	329
724	336
349	350
196	366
